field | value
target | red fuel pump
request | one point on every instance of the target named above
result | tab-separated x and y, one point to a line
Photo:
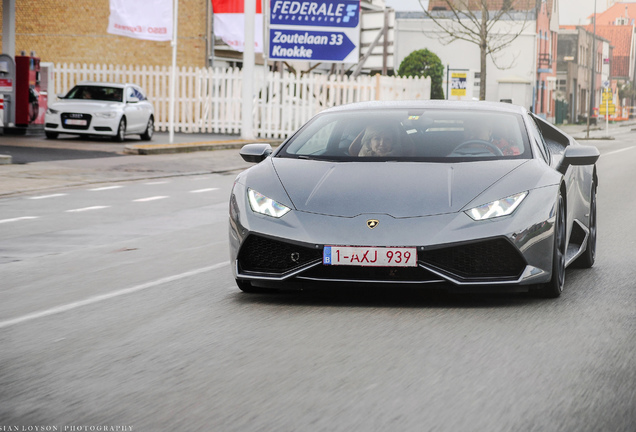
30	104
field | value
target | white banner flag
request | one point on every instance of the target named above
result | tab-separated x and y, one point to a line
141	19
229	23
231	28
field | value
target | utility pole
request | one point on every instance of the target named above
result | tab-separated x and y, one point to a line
8	28
173	69
247	127
593	78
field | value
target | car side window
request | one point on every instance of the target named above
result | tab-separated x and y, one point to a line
538	137
130	93
139	95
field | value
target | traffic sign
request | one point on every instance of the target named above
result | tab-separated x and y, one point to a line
315	30
309	45
458	83
607	105
316	13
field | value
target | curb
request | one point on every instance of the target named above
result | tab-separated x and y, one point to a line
5	160
606	138
152	149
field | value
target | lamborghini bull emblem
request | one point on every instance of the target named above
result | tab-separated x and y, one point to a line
372	223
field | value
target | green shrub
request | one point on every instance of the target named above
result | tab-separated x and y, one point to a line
424	63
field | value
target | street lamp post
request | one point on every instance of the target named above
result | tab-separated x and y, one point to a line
593	78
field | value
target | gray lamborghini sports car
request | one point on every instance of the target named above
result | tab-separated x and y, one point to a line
472	195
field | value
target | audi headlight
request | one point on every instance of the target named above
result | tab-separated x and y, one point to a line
267	206
107	115
52	111
502	207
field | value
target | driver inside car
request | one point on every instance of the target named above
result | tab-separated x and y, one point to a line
380	141
483	130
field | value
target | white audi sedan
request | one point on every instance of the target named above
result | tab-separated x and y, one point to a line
97	108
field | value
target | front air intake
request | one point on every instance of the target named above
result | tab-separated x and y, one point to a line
265	255
489	259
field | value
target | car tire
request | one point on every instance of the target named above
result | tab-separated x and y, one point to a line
121	131
51	135
247	287
586	260
150	129
554	288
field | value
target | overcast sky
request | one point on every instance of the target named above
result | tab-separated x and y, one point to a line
405	5
570	11
577	11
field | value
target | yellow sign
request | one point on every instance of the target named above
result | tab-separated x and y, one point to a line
458	84
607	105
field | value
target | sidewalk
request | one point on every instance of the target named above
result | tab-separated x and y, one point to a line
597	132
130	161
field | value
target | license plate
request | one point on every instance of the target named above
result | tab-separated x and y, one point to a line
370	256
75	122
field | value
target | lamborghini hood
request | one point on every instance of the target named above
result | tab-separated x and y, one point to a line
398	189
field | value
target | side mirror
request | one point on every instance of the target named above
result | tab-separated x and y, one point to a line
578	156
133	100
255	153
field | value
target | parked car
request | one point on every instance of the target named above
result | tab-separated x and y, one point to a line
467	195
97	108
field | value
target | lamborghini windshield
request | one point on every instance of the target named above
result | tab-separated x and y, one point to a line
435	135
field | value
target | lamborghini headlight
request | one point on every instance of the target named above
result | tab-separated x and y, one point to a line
502	207
267	206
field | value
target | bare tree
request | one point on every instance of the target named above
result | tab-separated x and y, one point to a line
489	24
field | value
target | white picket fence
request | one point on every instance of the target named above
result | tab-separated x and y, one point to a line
208	100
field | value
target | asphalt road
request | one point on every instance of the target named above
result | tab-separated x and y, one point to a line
118	309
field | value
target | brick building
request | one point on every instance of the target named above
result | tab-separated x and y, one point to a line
574	57
68	31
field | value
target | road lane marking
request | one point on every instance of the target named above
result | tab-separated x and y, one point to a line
157	182
18	219
204	190
618	151
86	209
114	294
47	196
150	199
105	188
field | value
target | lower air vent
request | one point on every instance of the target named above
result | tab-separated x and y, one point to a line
260	254
490	259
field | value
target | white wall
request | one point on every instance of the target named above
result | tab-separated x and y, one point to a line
517	92
519	56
